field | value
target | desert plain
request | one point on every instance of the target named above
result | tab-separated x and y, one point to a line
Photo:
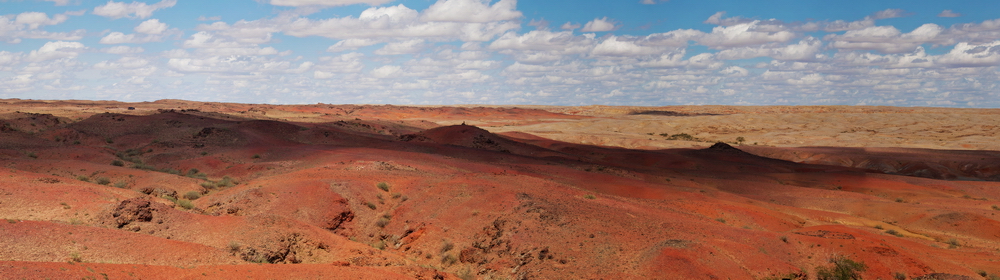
177	189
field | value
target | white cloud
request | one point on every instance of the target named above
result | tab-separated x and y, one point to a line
949	13
122	38
541	40
718	20
153	26
56	50
123	50
116	10
735	71
599	25
806	49
387	71
35	19
569	26
329	3
404	47
124	62
886	39
743	34
351	44
59	2
471	11
651	2
204	18
889	13
614	47
971	55
394	22
208	43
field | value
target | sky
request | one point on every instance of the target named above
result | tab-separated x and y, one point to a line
547	52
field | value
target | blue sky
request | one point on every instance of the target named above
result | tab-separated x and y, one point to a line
579	52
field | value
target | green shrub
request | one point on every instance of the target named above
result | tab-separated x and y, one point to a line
192	195
382	222
117	163
953	243
121	184
843	269
894	232
32	155
83	178
899	276
255	156
103	181
589	196
186	204
371	205
208	185
383	186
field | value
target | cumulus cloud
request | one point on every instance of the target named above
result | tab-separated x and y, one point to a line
395	22
404	47
204	18
743	34
569	26
351	44
949	13
612	46
35	19
972	55
329	3
471	11
153	26
59	2
889	13
886	39
387	71
806	49
123	50
116	10
599	25
718	19
56	50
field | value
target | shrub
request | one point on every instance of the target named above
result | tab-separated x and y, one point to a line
899	276
448	259
953	243
589	196
382	222
121	184
103	181
894	232
32	155
783	238
255	156
379	245
996	207
186	204
83	178
192	195
208	185
383	186
117	163
371	205
878	226
109	140
843	269
721	220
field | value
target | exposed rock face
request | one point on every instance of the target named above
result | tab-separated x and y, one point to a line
132	210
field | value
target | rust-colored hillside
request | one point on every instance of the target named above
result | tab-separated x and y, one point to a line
184	190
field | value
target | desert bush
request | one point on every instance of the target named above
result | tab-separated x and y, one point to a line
447	246
899	276
783	238
878	227
379	245
208	185
234	246
382	222
448	259
953	243
681	136
32	155
121	184
589	196
383	186
117	163
843	269
192	195
83	178
371	205
184	203
103	181
226	182
894	232
109	140
996	207
721	220
255	156
396	195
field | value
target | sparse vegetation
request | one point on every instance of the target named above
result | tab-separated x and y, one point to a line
371	205
255	156
843	269
118	163
234	246
109	140
64	205
32	155
740	140
996	207
192	195
894	232
121	184
184	203
721	220
878	227
783	238
953	243
589	196
83	178
383	186
899	276
448	259
103	181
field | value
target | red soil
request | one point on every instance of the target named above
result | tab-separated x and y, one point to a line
380	199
